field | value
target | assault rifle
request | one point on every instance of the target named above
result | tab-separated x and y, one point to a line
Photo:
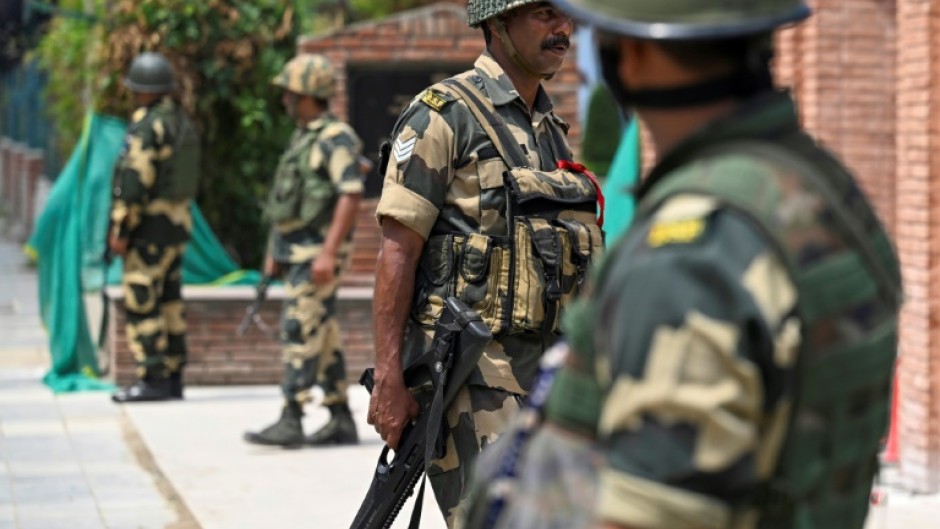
252	312
459	339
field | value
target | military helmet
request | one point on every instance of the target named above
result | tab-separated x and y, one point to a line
309	74
685	19
150	73
480	10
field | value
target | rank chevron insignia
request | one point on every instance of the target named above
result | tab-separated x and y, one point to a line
403	149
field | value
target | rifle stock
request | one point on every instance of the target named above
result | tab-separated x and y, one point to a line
459	339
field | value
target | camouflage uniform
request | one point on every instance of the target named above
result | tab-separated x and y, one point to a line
319	164
151	182
751	388
692	403
445	182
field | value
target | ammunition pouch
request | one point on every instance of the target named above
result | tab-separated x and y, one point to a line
300	195
179	180
518	282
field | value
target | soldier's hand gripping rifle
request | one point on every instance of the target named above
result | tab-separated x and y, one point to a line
459	339
252	312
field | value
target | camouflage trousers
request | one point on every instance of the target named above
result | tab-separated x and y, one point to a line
555	483
156	325
476	418
310	338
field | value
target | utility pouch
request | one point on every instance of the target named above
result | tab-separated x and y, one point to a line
555	237
183	181
284	199
519	281
318	198
474	268
300	194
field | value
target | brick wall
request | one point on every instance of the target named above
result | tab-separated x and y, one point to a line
918	141
366	238
841	64
866	75
436	33
217	356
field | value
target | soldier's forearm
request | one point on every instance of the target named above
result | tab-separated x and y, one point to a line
344	217
394	287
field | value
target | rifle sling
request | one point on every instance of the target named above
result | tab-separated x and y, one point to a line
492	124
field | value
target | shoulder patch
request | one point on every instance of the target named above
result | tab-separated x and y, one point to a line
403	148
434	99
675	232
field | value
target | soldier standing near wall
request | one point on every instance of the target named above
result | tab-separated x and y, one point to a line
156	177
312	206
750	389
453	225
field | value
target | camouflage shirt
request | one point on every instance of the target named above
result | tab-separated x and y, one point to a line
446	176
322	158
691	336
141	210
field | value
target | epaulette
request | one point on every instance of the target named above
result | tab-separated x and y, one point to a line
565	126
434	99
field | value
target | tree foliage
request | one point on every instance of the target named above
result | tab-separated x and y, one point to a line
224	53
602	129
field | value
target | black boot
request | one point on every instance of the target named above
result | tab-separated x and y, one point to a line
286	432
176	384
148	389
340	430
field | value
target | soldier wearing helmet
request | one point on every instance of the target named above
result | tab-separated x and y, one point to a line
312	208
466	155
156	177
752	390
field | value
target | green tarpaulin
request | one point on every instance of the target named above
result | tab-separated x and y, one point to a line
68	245
618	188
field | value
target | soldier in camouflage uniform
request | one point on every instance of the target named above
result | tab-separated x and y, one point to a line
750	390
312	207
447	230
155	179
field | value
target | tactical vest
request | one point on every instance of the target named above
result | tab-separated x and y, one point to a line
180	177
518	280
300	195
840	408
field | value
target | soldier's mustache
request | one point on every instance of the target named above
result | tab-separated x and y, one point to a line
556	40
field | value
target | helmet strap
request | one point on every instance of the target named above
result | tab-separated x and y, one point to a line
499	27
741	83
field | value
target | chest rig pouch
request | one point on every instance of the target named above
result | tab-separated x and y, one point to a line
518	280
300	194
181	181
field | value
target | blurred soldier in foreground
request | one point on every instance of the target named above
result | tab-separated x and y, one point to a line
156	177
312	206
468	153
731	366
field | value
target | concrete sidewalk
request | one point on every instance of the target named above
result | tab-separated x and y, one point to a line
67	461
79	461
228	484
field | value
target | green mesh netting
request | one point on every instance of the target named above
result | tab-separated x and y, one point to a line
68	245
